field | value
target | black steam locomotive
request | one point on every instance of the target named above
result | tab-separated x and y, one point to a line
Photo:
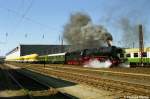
102	54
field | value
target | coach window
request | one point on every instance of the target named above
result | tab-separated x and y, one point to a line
135	54
144	54
128	55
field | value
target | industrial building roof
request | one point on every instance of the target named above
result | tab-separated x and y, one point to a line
40	49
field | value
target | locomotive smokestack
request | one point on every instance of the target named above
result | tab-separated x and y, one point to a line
109	42
109	39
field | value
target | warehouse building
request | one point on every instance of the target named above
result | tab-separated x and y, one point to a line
24	49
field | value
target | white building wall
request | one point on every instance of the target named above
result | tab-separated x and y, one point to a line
14	54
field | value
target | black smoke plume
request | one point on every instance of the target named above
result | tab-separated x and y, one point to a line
81	33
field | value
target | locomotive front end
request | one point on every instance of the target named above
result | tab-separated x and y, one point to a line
117	56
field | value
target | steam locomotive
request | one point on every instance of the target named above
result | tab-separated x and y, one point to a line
102	54
79	57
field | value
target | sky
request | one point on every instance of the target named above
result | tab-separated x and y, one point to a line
42	21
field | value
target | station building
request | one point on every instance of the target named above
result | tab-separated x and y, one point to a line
25	49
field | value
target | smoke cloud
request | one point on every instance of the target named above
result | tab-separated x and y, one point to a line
130	37
81	33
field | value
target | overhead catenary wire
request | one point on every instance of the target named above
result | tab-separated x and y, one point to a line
25	17
24	14
28	9
45	26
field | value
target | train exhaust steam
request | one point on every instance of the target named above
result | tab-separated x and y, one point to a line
124	65
97	64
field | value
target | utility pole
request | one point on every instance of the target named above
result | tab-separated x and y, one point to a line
62	41
141	43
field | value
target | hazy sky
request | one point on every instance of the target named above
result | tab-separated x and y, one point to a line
26	21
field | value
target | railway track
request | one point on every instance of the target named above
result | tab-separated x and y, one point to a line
117	76
88	78
113	75
125	71
107	84
98	71
33	88
12	83
29	96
